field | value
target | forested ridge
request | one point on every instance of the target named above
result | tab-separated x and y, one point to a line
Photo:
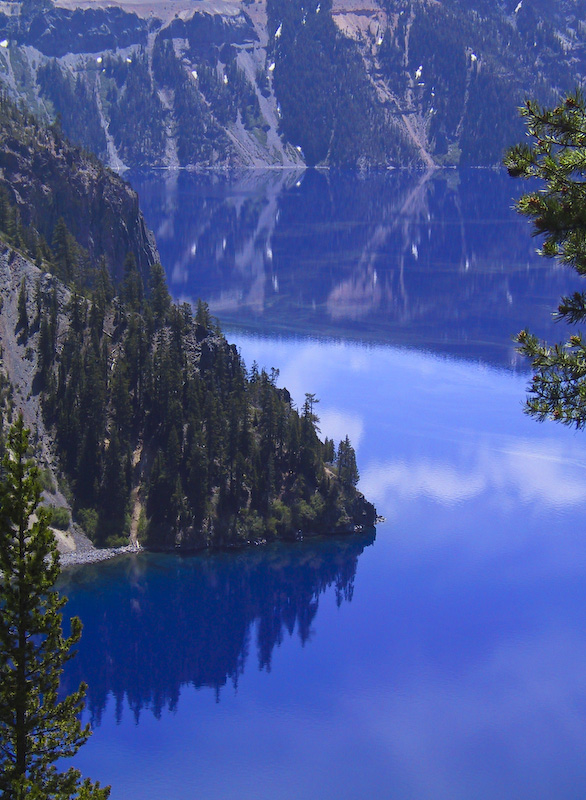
159	430
329	107
465	67
57	196
156	416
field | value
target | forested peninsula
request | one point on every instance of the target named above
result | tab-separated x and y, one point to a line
148	424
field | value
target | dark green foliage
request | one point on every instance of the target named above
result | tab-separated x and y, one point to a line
327	103
481	139
245	98
199	137
46	480
58	517
124	95
21	237
69	261
435	43
36	727
159	294
478	60
154	400
51	191
218	94
77	107
167	69
329	451
136	114
347	469
132	293
557	157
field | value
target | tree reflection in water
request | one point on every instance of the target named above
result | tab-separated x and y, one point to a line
154	623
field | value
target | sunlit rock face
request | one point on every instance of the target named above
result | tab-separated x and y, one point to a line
163	84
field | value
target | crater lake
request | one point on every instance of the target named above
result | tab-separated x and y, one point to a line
444	656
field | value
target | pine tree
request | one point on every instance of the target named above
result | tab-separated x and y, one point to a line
160	297
62	245
203	319
557	157
329	451
36	728
347	469
132	287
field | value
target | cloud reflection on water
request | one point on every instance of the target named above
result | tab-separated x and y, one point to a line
534	473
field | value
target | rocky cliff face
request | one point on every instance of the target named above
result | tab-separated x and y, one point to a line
48	178
57	32
283	82
181	87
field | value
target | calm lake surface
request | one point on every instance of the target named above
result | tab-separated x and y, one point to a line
443	658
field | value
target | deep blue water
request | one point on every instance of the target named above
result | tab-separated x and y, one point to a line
446	658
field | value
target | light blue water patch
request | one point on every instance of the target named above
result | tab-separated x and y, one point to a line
446	660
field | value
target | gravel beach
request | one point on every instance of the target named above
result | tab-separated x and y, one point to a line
93	555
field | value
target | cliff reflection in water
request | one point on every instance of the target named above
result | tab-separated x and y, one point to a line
437	261
153	623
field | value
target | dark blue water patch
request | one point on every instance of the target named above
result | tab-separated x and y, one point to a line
438	261
160	622
154	624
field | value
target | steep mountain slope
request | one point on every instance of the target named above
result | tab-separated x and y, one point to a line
157	430
249	82
48	180
145	86
456	71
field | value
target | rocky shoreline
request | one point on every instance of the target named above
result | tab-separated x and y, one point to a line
93	555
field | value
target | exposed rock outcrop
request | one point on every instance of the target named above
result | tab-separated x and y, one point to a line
55	32
48	178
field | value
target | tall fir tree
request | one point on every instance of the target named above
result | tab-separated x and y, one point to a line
36	727
347	469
